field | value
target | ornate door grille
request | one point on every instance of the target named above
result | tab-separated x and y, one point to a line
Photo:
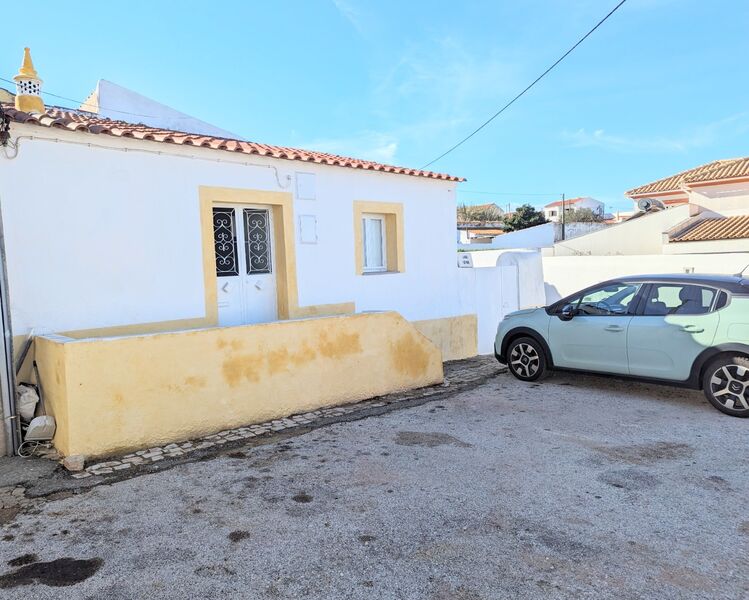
225	242
257	236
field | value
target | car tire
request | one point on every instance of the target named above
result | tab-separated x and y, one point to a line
526	359
726	385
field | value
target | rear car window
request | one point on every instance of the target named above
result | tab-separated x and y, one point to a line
678	299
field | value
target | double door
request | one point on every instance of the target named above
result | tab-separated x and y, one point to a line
245	270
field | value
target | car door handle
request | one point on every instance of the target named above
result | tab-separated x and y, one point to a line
692	329
615	328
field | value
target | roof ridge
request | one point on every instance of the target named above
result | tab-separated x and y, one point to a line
87	122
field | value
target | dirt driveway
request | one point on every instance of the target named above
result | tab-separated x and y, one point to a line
577	488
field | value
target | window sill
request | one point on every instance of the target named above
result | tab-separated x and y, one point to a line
370	273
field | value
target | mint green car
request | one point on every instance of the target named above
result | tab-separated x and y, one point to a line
686	330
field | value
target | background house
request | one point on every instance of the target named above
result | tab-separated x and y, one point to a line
553	210
715	179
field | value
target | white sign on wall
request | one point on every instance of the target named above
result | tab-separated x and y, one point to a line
306	186
465	260
307	229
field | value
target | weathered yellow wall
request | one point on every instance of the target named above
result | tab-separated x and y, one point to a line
116	394
456	337
50	359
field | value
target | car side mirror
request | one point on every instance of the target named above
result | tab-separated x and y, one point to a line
568	311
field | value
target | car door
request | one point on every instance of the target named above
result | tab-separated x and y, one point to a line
675	323
595	338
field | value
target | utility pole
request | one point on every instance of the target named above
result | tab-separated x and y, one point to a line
564	217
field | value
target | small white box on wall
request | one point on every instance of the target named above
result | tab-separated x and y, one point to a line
465	260
305	186
307	229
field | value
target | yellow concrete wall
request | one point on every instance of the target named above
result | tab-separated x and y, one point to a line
117	394
456	337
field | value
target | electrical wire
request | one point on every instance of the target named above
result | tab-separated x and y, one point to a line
535	81
462	191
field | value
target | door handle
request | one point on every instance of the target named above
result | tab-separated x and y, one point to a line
614	328
692	329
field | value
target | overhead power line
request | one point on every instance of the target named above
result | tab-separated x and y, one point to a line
462	191
535	81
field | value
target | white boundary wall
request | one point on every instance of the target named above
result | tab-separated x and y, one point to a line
500	282
564	275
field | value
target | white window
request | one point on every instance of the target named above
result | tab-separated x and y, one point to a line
374	243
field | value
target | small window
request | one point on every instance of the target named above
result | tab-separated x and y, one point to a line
678	299
722	301
610	300
552	213
374	243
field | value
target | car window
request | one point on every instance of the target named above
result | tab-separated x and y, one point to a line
678	299
611	299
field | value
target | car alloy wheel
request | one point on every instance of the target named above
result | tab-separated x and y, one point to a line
729	385
524	360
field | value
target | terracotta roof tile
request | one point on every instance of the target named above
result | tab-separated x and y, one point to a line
717	170
566	202
92	123
727	228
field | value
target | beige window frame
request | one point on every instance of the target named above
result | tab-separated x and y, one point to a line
391	214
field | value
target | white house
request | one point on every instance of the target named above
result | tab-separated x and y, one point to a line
553	210
181	283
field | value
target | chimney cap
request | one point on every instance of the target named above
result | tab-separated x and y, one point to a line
27	70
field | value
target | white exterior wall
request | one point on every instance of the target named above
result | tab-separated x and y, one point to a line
99	237
564	275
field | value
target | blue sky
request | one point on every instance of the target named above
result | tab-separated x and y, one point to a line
661	87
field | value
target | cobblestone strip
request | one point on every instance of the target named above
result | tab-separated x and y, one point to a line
460	372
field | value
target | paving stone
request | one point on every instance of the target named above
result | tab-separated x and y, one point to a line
171	446
156	450
135	460
122	467
74	463
103	471
81	475
157	457
104	465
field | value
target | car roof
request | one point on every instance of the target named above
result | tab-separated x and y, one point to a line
732	283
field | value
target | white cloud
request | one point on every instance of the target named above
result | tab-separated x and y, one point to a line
370	145
351	13
699	137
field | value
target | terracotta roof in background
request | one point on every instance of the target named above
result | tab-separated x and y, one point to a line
486	231
727	228
566	202
717	170
58	118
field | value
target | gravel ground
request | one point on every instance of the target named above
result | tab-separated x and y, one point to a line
580	487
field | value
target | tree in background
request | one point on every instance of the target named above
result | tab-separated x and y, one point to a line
583	215
485	213
525	216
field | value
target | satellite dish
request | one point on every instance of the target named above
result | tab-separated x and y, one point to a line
650	204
